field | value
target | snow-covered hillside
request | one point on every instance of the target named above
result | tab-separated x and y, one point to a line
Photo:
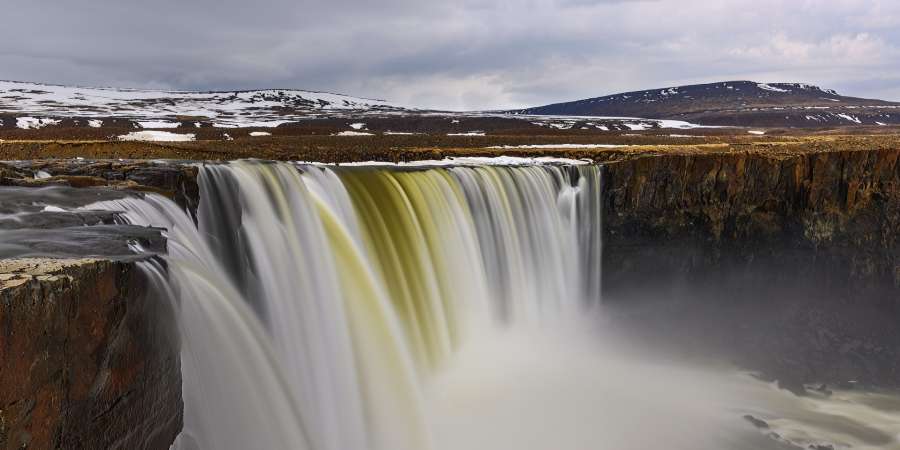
605	123
32	106
736	103
165	109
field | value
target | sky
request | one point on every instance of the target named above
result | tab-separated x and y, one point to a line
455	54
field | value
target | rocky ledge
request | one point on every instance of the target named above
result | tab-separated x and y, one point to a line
87	357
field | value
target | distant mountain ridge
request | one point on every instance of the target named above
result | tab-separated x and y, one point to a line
33	106
735	103
37	106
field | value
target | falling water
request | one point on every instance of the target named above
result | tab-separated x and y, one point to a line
315	302
434	308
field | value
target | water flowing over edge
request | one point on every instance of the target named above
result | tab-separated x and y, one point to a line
378	308
314	302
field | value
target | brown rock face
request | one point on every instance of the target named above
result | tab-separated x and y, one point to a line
793	261
87	359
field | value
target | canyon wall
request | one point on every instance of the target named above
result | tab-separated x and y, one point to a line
88	358
792	260
786	262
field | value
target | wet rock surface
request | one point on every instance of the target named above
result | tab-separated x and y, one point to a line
59	221
88	354
789	264
173	179
87	357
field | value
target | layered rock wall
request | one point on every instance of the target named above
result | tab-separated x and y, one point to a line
88	359
798	254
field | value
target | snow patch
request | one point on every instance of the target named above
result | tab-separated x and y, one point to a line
158	124
95	123
468	133
680	124
849	118
353	133
157	136
260	133
33	123
767	87
757	132
357	126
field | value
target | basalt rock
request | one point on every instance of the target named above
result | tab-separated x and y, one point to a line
87	357
791	261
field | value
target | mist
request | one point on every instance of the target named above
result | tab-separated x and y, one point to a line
573	385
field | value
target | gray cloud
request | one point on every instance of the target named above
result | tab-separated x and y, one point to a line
463	54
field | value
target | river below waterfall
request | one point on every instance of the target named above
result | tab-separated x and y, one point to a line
443	308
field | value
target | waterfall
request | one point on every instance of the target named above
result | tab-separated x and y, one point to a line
315	302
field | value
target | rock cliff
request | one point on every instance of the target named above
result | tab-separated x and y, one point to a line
87	357
792	259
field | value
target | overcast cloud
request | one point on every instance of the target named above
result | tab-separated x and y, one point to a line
463	54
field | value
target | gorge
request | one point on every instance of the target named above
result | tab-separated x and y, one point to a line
430	290
425	225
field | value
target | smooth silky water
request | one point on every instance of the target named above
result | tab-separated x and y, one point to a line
440	308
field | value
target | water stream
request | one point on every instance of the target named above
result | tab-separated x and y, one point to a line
441	308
